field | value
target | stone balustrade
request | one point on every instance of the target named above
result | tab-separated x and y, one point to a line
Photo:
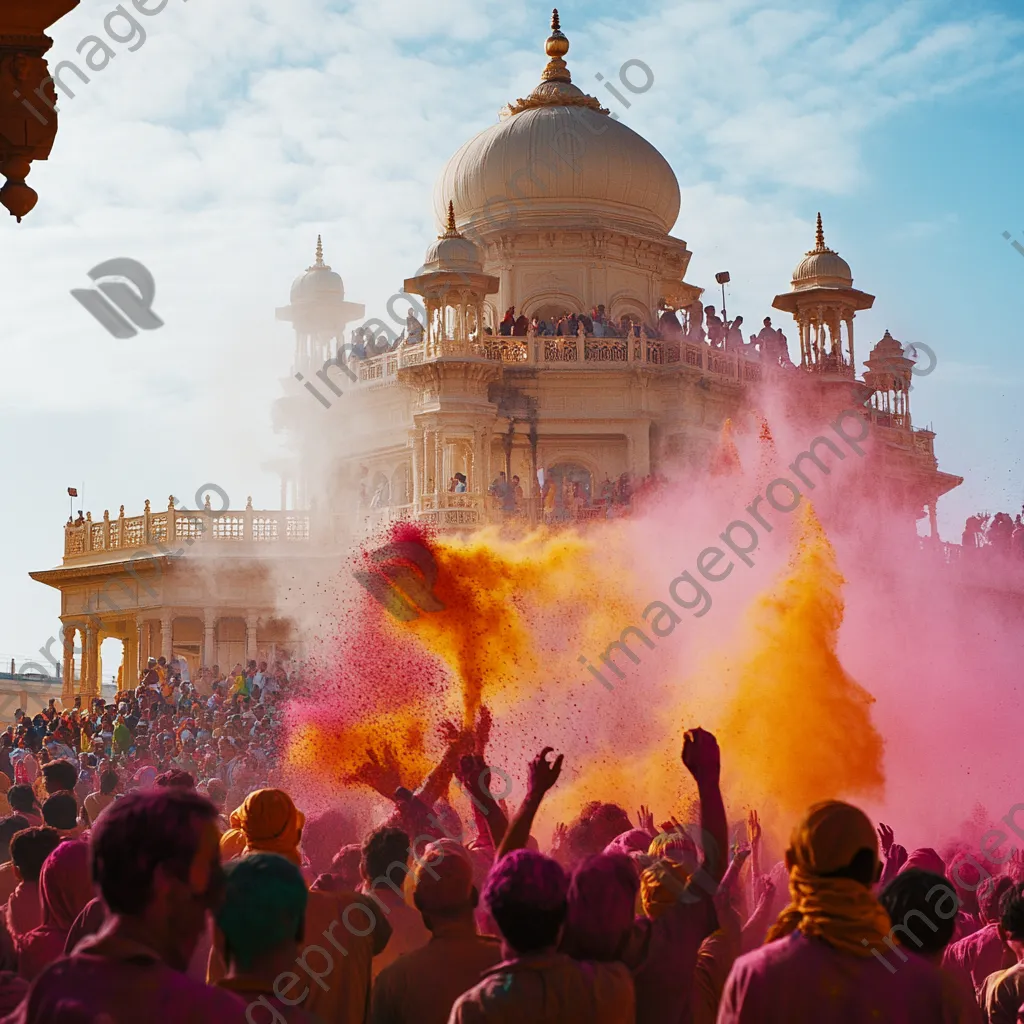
554	352
174	531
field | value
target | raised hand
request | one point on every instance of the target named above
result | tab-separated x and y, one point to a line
885	837
380	772
544	774
449	731
701	756
645	820
764	889
483	729
753	828
1015	867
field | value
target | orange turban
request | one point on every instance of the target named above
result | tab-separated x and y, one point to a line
841	911
271	823
661	885
232	844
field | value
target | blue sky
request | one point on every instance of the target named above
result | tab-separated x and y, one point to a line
219	148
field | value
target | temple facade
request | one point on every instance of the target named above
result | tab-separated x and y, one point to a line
552	337
560	211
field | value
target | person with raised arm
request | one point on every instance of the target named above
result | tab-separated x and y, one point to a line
526	895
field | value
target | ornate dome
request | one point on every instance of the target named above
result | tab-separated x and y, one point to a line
318	282
822	267
555	157
451	251
887	348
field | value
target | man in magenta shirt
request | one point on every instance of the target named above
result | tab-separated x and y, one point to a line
831	955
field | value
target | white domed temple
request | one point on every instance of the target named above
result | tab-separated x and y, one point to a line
557	341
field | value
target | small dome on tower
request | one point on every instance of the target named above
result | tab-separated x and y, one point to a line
822	267
318	282
451	251
887	348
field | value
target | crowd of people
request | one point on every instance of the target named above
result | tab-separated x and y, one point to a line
695	323
155	868
562	499
999	534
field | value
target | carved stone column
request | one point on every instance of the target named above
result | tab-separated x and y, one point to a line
209	637
67	693
167	635
91	662
250	637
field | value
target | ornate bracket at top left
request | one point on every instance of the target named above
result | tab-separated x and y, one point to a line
28	115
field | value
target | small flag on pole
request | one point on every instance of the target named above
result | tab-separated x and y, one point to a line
73	492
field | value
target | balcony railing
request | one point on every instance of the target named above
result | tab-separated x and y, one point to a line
175	531
554	352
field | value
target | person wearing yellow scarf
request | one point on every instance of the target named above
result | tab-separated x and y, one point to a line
822	960
827	901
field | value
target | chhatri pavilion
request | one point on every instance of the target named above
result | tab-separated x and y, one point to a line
558	209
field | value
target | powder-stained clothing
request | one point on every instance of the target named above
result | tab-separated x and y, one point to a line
23	911
715	958
342	993
115	979
408	932
662	954
262	1004
977	956
549	988
96	803
422	986
1002	994
804	980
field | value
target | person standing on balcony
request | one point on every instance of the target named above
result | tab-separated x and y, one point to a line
520	326
460	483
734	335
716	328
507	321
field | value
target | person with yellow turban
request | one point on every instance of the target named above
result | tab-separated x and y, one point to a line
338	945
823	958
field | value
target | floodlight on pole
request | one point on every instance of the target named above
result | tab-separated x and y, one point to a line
723	278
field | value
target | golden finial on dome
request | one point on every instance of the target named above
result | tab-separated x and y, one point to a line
319	252
451	230
819	236
556	47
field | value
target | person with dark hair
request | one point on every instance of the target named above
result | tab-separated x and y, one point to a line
384	865
526	894
982	953
834	932
95	803
29	849
1002	993
260	931
23	802
176	778
61	812
155	860
422	986
9	826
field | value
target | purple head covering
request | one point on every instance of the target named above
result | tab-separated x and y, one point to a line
926	859
528	879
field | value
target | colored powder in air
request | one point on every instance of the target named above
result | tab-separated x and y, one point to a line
496	594
796	726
